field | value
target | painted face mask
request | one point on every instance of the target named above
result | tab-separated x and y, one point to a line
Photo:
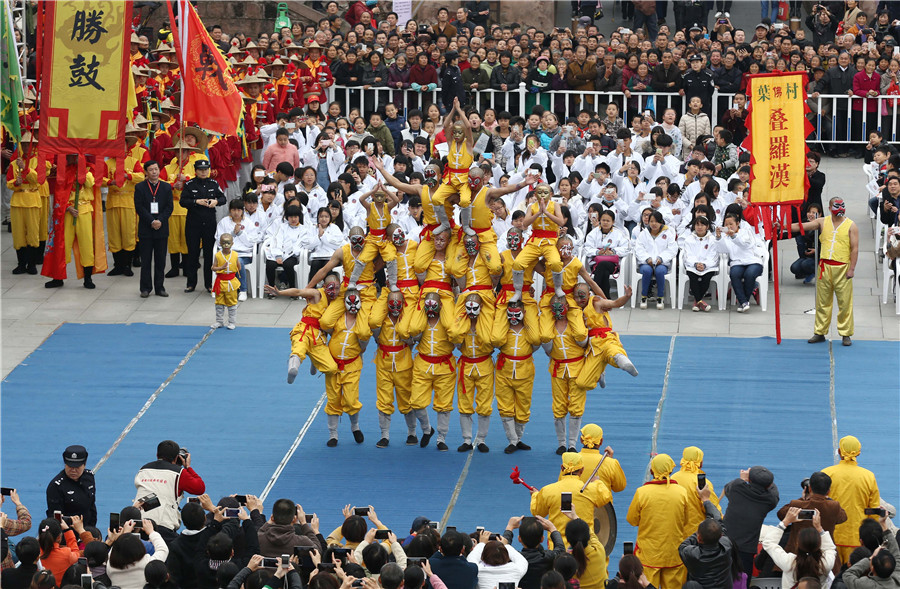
357	242
432	308
566	250
475	182
431	176
471	244
515	315
838	208
379	197
332	289
559	309
352	303
513	240
473	309
458	132
394	308
398	237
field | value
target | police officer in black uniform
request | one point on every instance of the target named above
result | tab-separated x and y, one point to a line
72	491
201	196
698	82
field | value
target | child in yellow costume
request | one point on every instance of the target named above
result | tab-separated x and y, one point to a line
507	288
475	365
605	348
407	281
378	219
226	266
350	334
120	214
307	336
572	270
456	174
542	244
472	274
514	380
566	352
434	369
393	367
25	208
437	280
178	173
348	258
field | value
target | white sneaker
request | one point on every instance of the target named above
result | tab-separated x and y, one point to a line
215	326
741	308
745	307
660	304
230	326
718	15
727	15
242	296
643	302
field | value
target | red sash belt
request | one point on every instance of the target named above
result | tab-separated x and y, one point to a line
825	262
347	281
427	231
508	288
448	170
377	232
550	289
468	360
341	364
599	331
502	358
407	283
482	230
311	322
385	349
436	284
543	234
438	359
556	363
217	288
480	287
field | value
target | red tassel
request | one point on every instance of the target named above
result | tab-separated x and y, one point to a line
82	168
41	167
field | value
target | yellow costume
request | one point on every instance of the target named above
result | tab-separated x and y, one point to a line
610	473
227	284
691	461
542	243
25	205
82	228
364	284
478	281
437	279
482	224
425	248
407	281
177	243
44	223
506	291
342	386
393	361
660	510
120	214
566	360
515	374
855	488
434	371
570	272
834	260
475	385
307	336
376	243
456	178
603	347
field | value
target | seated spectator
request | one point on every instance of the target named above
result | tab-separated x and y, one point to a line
700	257
745	262
655	250
497	562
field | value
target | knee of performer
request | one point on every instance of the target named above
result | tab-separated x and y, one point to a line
555	266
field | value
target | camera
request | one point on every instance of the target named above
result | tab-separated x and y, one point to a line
149	502
879	511
271	563
382	534
357	583
232	512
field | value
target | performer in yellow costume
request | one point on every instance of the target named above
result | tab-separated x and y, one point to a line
546	502
348	258
434	369
393	367
226	266
507	288
121	228
436	269
406	249
25	208
605	348
456	174
178	172
307	336
839	238
79	226
542	244
610	473
566	351
855	488
514	382
350	334
660	510
572	270
475	365
691	466
377	219
473	277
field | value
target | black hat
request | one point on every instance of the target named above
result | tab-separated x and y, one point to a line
450	56
201	165
695	27
75	456
694	57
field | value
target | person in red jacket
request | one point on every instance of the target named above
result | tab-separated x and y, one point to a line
313	71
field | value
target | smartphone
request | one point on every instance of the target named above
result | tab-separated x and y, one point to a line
701	481
309	518
290	126
357	583
341	553
479	529
328	567
416	561
628	547
382	534
271	563
879	511
449	529
231	512
433	524
242	499
87	581
806	514
57	515
506	586
138	525
6	491
114	521
361	511
565	502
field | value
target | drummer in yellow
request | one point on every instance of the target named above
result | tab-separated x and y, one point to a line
456	174
378	217
547	501
350	334
393	366
120	213
545	221
475	387
25	207
660	510
855	488
514	381
226	266
307	336
610	472
605	348
691	466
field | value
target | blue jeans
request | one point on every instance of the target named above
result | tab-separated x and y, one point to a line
651	20
648	271
769	9
803	267
743	280
242	273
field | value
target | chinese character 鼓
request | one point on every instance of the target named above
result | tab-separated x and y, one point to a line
84	74
762	93
777	120
88	26
209	67
779	176
778	147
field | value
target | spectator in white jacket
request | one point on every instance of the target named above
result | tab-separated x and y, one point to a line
330	238
662	163
128	556
654	251
246	236
605	246
745	262
700	257
815	551
325	158
497	562
283	249
305	181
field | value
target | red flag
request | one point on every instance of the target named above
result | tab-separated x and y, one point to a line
210	97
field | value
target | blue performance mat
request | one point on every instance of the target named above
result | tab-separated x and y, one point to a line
744	401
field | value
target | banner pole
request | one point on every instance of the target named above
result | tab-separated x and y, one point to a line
777	234
182	16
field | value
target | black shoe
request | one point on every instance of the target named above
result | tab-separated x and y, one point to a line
845	341
382	443
53	284
442	447
135	256
145	294
510	449
522	445
561	450
172	273
21	255
88	283
39	253
465	447
817	338
412	441
359	437
126	271
190	289
331	443
32	260
162	293
116	271
572	449
483	448
426	438
19	270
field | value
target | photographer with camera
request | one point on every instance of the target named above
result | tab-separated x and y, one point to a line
161	483
815	497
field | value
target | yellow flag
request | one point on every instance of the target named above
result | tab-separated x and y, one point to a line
132	99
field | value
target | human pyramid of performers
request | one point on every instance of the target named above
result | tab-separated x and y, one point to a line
450	291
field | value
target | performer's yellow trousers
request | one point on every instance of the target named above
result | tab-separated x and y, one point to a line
833	282
666	578
120	229
568	397
308	340
83	229
342	390
595	363
540	248
387	382
475	393
177	243
424	384
25	222
514	397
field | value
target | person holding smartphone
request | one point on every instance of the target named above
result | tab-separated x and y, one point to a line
13	527
816	553
498	563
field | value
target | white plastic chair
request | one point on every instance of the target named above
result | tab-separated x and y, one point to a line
301	270
671	281
766	583
888	279
762	283
621	279
719	280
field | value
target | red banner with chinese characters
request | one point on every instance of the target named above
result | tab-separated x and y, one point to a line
210	98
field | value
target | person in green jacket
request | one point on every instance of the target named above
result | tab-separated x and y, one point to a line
475	78
381	132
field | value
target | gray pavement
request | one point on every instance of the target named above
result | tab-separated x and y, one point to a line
29	313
